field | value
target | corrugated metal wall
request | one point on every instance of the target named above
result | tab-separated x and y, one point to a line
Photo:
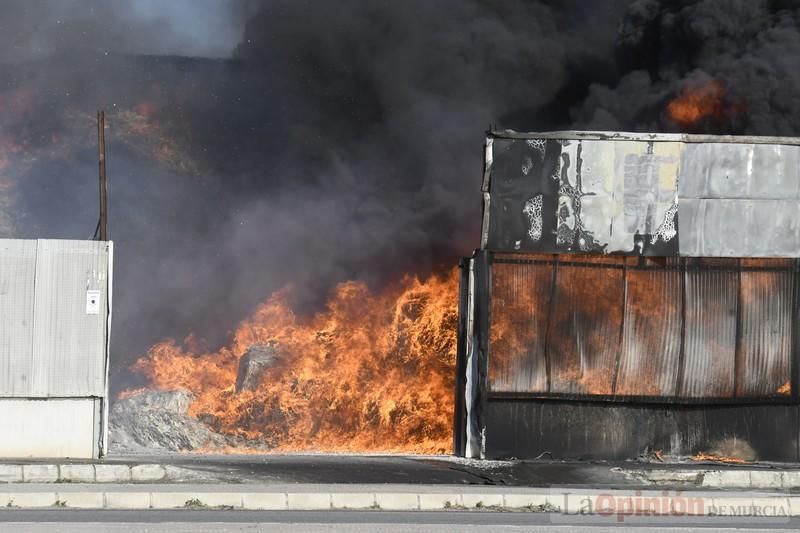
50	346
54	326
686	329
651	342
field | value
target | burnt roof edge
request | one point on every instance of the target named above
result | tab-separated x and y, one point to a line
646	137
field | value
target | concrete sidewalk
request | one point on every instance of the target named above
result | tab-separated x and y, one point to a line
399	497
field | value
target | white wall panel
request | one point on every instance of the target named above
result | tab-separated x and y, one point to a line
49	428
69	341
17	269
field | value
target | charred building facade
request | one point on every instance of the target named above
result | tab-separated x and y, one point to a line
633	294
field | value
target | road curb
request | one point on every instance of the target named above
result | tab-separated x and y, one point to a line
81	473
602	502
730	478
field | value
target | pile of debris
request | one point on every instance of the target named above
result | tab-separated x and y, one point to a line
158	421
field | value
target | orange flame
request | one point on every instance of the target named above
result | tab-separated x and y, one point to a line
697	103
703	456
372	372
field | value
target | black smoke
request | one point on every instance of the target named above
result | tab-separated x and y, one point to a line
750	47
340	140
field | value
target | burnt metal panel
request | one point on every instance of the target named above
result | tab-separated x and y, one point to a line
524	194
520	309
584	330
568	430
663	329
764	350
583	196
653	332
709	346
645	194
645	137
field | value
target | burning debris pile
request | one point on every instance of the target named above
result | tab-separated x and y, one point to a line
373	371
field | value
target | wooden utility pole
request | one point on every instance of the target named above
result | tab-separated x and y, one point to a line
101	152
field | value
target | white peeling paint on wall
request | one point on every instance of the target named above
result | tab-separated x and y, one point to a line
706	196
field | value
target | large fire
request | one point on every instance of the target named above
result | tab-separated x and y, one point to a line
371	372
697	103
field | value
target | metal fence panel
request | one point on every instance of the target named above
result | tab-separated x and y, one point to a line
70	317
709	342
669	329
652	336
519	313
765	338
585	325
17	268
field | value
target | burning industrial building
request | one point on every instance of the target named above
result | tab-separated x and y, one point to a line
614	308
293	183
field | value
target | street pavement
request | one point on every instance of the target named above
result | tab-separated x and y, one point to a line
193	521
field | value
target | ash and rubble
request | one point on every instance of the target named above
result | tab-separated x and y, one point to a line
159	421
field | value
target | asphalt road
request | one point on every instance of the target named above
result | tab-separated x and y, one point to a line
186	521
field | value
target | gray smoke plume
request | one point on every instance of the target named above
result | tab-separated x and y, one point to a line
336	140
33	29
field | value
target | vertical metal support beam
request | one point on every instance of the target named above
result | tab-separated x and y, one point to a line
794	362
794	358
472	434
682	354
621	338
101	154
109	309
738	354
487	173
459	408
550	306
482	317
